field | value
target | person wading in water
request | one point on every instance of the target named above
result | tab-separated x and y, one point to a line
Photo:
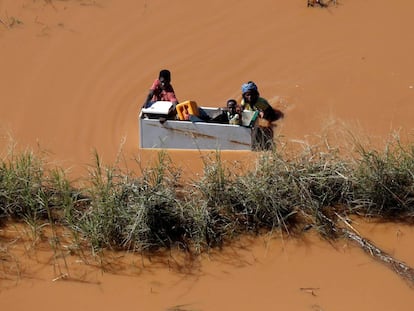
262	131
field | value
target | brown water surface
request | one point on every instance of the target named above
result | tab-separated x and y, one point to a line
74	74
251	274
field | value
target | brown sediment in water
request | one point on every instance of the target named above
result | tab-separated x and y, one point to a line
75	73
252	273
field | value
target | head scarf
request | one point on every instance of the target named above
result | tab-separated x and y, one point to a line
249	86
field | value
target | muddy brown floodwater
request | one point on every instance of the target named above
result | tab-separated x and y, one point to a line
74	74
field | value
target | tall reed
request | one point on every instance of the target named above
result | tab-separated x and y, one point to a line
385	181
211	201
21	187
135	213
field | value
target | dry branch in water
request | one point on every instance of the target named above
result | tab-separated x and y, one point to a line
321	3
401	268
1	21
405	271
10	22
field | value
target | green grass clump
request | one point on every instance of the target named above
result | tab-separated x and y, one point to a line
127	212
263	198
211	201
21	182
29	191
384	182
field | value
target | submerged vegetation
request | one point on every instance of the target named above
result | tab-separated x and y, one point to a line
119	210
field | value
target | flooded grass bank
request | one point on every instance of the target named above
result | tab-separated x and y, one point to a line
117	210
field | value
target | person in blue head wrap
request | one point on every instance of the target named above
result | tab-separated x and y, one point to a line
262	131
251	100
